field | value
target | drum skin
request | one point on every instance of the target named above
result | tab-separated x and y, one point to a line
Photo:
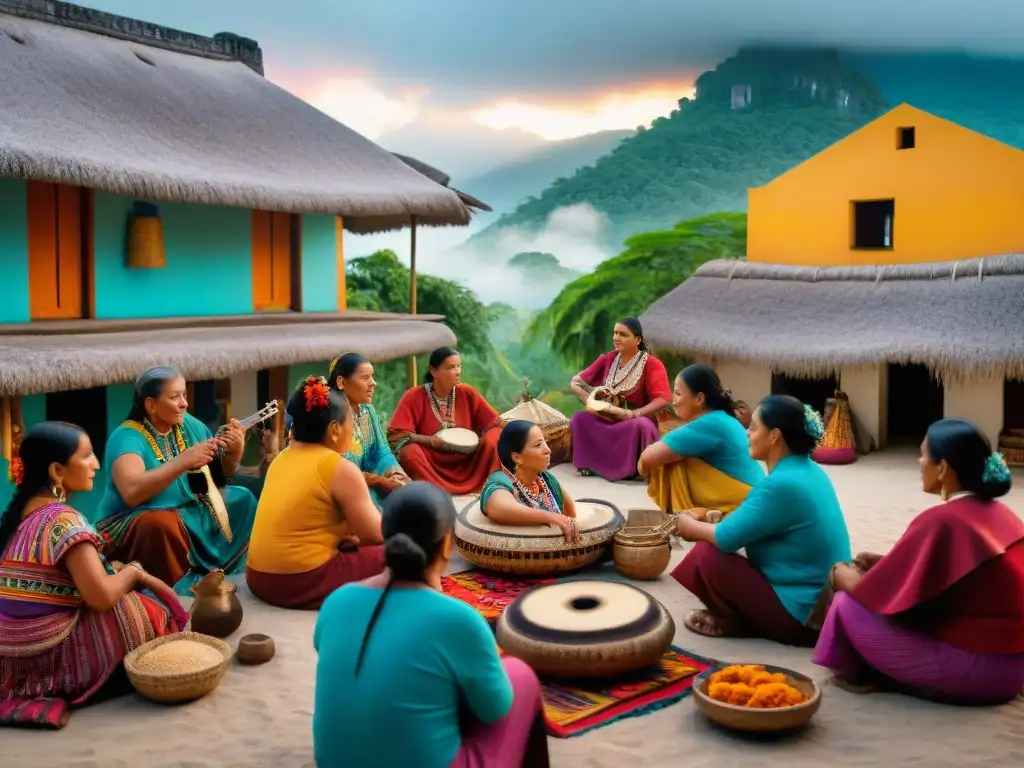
586	629
536	550
459	439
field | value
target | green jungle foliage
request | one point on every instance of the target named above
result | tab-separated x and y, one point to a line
705	155
578	325
494	358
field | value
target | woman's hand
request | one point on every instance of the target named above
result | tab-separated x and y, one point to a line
844	577
199	455
233	438
686	527
865	561
349	543
568	527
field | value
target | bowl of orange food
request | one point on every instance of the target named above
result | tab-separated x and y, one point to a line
757	698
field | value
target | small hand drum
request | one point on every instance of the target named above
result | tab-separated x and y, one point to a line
459	439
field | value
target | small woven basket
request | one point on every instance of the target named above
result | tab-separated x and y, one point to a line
177	678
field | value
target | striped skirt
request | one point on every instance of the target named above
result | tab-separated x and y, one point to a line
860	645
54	661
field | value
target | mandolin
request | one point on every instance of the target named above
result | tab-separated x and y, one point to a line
200	480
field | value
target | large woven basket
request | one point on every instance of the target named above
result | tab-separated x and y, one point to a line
1011	445
177	687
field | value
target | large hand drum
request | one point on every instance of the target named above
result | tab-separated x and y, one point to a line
536	549
459	439
586	629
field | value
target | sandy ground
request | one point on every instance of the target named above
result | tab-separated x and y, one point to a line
260	716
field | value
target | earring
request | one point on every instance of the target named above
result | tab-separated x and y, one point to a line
58	493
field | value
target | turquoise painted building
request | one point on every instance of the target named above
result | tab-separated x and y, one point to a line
161	202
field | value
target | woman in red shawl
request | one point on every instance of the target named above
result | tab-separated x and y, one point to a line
942	615
443	402
637	383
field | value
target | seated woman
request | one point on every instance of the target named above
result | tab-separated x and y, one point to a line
444	402
352	375
161	505
314	501
397	656
942	615
791	527
67	618
523	492
636	382
705	463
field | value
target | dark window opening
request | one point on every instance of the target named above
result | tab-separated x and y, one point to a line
916	400
1013	404
906	138
86	408
873	223
812	392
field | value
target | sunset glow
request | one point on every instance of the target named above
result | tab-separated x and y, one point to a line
555	122
356	101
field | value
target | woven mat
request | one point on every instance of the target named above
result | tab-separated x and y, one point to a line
488	593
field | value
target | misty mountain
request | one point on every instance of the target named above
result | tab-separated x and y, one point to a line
529	175
463	151
755	116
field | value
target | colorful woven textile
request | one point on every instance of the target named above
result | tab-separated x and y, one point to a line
46	713
488	593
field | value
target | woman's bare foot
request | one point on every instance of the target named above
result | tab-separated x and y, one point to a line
702	622
859	687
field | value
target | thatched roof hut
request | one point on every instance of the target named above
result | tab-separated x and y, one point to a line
957	318
100	101
442	178
82	354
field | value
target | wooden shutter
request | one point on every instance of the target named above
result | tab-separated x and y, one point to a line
56	236
272	257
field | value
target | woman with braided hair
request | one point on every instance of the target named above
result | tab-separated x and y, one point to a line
67	616
410	676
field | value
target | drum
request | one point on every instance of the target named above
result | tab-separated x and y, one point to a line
553	424
536	549
459	439
577	629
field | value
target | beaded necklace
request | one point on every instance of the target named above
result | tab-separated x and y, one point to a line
630	377
542	498
361	426
445	414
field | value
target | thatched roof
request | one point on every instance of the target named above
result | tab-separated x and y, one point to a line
957	318
442	178
117	105
34	364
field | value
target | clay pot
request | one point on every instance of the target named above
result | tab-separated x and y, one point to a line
641	553
255	649
216	610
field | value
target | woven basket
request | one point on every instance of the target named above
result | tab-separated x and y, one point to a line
177	687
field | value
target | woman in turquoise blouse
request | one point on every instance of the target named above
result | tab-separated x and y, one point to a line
793	531
161	506
352	375
523	492
704	464
408	676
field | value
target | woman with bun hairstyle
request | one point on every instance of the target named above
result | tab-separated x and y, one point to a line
523	492
941	616
705	464
408	676
67	616
352	375
791	527
316	526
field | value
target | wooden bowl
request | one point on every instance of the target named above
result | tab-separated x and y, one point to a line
177	680
749	720
255	649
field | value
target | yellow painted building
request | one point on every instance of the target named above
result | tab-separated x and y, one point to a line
908	187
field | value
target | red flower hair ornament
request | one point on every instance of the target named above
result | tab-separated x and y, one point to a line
317	393
17	471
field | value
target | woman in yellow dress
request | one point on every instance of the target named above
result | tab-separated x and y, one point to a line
704	464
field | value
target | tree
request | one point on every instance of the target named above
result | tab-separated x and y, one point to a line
578	324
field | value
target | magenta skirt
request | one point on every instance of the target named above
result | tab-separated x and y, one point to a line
610	449
859	644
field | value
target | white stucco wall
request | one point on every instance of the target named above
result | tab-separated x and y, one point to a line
867	388
748	382
979	400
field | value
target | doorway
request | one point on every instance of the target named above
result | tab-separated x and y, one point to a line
916	400
86	408
1013	404
812	392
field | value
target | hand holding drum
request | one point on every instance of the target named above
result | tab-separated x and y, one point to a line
568	527
456	440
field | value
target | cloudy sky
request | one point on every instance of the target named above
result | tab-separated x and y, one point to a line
552	68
